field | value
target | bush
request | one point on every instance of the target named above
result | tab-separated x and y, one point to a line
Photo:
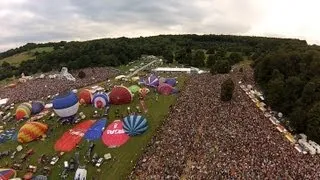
227	88
81	74
221	67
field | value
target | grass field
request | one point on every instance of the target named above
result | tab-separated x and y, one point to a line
16	59
123	158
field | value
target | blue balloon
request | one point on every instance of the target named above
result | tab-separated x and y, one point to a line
134	125
96	130
37	107
171	81
66	105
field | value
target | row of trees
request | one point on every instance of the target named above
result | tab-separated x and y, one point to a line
291	83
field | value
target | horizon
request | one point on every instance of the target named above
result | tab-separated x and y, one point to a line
75	20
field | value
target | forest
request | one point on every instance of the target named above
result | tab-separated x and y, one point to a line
287	70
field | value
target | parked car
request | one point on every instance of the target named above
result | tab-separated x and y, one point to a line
99	162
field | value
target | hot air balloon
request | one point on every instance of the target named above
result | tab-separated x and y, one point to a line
66	105
162	80
165	89
152	81
134	125
171	81
100	100
120	95
85	96
134	89
37	107
114	135
7	174
144	91
23	110
31	131
96	130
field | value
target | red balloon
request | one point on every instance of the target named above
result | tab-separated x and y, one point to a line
114	135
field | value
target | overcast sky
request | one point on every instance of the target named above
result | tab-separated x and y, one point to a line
25	21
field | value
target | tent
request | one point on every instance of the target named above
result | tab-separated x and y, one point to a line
119	77
72	137
37	107
40	177
23	110
6	174
120	95
100	100
134	125
134	89
114	135
66	105
152	81
81	174
85	96
96	130
165	89
31	130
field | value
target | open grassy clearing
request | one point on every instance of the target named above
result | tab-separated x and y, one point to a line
16	59
124	157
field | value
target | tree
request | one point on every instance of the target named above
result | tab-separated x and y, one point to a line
298	119
168	56
198	59
46	68
211	60
211	51
235	58
5	64
221	67
81	74
227	89
313	123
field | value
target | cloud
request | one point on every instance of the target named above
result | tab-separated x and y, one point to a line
42	21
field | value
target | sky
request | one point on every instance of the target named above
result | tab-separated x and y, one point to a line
24	21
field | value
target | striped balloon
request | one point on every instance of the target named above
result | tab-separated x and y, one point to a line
23	110
152	81
31	131
134	125
100	100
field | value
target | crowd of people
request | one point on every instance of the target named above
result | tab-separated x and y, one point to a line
42	87
205	138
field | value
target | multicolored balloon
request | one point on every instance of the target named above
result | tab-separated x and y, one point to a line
144	91
100	100
66	105
31	131
134	125
23	110
85	96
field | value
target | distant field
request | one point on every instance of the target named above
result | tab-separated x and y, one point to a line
18	58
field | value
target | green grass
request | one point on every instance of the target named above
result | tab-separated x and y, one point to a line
42	49
16	59
124	157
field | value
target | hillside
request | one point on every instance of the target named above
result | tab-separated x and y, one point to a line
16	59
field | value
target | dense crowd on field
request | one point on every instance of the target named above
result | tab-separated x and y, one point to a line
204	138
38	88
